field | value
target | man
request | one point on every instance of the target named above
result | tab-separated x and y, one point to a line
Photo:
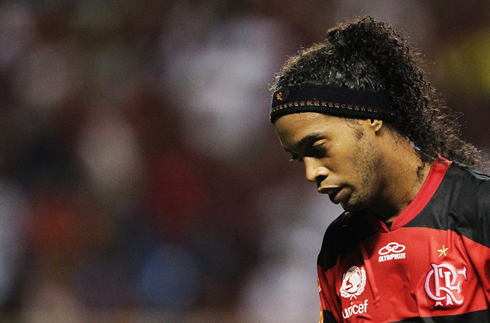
413	242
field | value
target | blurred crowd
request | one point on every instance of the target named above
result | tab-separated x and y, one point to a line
140	178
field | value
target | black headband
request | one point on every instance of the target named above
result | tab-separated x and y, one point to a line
338	101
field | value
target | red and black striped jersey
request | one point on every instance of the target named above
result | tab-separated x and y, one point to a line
432	265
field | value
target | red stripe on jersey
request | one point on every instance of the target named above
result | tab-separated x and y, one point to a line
434	179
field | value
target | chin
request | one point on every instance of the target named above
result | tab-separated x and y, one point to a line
353	207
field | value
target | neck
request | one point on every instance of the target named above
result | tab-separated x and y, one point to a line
405	175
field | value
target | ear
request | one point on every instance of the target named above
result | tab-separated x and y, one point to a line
375	124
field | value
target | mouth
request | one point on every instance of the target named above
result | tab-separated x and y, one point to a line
332	192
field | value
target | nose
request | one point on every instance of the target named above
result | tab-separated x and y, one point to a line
314	169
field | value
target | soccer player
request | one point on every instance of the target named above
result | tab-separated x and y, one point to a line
413	242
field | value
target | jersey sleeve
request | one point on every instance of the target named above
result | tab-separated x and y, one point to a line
343	233
483	225
474	204
326	263
478	245
327	301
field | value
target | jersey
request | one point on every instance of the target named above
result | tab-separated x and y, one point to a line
432	265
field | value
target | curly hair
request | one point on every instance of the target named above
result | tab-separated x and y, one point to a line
370	55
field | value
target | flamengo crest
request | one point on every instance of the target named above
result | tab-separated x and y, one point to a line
353	282
443	285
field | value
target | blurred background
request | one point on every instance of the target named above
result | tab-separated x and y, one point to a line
140	178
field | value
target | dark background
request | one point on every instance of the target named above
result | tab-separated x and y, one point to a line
140	179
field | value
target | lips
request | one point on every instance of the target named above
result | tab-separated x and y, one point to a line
334	193
328	190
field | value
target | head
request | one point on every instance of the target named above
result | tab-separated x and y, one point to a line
344	157
371	57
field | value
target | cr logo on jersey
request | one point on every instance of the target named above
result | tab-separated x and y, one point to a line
353	282
443	283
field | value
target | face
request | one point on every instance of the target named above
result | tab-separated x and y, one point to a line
340	155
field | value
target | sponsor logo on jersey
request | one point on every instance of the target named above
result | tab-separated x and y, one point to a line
391	251
355	309
353	282
443	284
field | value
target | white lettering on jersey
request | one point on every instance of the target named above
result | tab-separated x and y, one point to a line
355	309
391	251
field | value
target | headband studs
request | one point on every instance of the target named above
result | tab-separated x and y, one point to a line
337	101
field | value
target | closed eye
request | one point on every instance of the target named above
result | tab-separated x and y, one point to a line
312	145
295	157
317	151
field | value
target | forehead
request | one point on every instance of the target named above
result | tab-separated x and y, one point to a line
293	127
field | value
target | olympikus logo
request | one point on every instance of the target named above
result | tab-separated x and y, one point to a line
391	251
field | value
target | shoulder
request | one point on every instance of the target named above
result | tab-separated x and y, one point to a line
466	182
477	189
463	170
468	194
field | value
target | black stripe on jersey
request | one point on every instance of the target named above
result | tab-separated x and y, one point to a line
460	204
345	232
328	317
476	317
